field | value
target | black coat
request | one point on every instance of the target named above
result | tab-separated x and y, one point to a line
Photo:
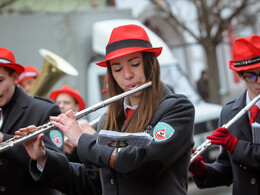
25	110
161	168
242	167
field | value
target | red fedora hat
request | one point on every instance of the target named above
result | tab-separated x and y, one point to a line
7	59
72	92
246	53
128	39
29	72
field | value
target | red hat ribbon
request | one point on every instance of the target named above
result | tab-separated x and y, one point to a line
127	43
247	62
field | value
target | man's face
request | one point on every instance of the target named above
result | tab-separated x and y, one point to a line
28	84
7	86
66	102
253	88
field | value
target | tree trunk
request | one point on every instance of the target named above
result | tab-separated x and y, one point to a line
213	74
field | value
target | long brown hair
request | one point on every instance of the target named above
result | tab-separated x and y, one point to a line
150	100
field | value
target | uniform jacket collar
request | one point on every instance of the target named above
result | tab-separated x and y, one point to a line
240	102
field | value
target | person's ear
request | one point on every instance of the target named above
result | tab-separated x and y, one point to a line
15	77
77	107
241	77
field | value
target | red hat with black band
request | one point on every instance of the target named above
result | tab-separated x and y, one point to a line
75	94
128	39
7	59
246	53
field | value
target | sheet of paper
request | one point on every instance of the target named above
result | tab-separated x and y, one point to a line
256	133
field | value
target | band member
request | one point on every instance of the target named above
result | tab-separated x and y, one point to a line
28	78
70	99
20	110
161	167
238	161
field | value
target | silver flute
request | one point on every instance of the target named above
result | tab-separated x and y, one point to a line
206	144
18	139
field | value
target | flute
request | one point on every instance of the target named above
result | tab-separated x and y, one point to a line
206	144
48	126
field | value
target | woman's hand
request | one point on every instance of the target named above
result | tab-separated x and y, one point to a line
35	146
69	125
87	128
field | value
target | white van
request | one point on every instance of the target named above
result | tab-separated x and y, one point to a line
206	114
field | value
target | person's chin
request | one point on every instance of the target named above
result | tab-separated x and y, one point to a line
2	103
257	91
138	93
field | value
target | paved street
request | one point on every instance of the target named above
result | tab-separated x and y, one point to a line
193	190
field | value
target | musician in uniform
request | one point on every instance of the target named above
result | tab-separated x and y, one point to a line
70	99
20	110
28	78
239	160
159	168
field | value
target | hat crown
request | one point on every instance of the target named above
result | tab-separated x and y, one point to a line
30	69
246	48
70	90
6	54
130	31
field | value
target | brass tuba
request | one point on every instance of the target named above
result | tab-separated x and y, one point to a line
54	68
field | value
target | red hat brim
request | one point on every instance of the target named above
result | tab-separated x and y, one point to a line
242	68
125	51
54	94
17	67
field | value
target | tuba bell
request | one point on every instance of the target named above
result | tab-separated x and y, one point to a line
54	68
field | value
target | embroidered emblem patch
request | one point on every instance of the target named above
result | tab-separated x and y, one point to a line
56	138
162	132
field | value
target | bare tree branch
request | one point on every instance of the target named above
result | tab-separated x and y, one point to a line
6	3
225	22
212	20
180	23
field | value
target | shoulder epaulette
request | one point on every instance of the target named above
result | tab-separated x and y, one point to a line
44	99
231	102
174	95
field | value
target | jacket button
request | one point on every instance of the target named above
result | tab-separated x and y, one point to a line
242	167
253	181
2	188
112	181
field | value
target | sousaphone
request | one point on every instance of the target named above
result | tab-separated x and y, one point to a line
54	68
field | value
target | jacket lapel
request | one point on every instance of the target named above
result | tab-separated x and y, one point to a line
16	112
14	115
242	124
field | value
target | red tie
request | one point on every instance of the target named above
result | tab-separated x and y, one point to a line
253	111
129	112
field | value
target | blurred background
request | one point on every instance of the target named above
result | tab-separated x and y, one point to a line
197	36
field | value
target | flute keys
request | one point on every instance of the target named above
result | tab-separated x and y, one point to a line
45	126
